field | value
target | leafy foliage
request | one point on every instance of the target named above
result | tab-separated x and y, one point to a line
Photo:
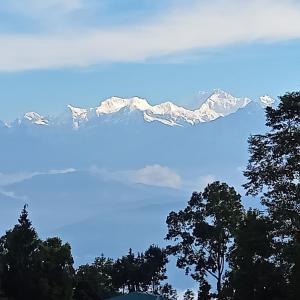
203	231
253	272
94	282
274	173
274	164
143	272
54	267
167	291
189	295
35	269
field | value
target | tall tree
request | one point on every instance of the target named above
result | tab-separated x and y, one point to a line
95	282
54	269
273	173
294	275
274	165
35	269
19	247
202	232
253	274
142	272
154	266
127	272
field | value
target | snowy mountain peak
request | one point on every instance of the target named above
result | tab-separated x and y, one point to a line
166	107
79	115
223	104
36	118
115	104
266	101
221	93
215	104
170	114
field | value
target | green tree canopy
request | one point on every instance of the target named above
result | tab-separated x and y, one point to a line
54	268
189	295
142	272
35	269
202	233
273	173
274	164
253	273
167	291
154	266
19	248
94	282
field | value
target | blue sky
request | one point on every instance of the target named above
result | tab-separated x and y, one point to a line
59	52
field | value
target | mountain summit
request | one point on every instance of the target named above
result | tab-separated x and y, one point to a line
216	104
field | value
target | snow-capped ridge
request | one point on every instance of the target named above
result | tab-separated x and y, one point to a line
79	115
35	118
223	104
214	104
115	104
218	104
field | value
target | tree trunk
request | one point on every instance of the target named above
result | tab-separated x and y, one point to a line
219	285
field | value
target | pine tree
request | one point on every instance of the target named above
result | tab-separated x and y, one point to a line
35	269
19	248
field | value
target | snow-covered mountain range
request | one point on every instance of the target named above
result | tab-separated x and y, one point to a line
214	105
123	162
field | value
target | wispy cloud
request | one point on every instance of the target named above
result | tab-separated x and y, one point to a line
12	178
36	7
12	195
198	25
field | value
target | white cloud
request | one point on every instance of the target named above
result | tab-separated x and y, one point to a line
157	175
44	15
8	179
35	7
12	178
12	195
62	171
202	24
153	175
